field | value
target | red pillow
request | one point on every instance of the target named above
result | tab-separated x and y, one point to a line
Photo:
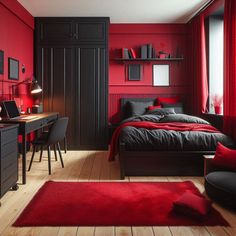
171	100
192	205
225	157
153	107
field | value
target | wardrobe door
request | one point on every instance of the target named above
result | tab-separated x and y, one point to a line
72	65
91	93
90	31
54	30
56	75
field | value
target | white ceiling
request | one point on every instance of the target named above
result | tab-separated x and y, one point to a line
119	11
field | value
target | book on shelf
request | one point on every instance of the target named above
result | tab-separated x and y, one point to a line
130	54
154	55
144	52
133	53
149	50
125	53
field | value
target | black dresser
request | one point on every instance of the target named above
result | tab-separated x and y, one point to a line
9	155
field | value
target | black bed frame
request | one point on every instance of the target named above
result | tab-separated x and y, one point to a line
159	163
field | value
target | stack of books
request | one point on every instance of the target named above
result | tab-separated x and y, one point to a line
128	53
147	51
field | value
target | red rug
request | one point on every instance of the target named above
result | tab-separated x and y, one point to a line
110	203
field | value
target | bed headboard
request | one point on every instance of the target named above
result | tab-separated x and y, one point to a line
125	113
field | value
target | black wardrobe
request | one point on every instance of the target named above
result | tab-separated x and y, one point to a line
71	64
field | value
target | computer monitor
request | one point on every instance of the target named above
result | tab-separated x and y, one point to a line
11	109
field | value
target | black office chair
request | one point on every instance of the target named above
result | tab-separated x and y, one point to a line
55	134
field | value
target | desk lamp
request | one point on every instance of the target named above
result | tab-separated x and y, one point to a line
34	90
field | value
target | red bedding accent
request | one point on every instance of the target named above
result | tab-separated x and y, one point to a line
151	125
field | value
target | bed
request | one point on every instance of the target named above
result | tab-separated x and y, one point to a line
143	151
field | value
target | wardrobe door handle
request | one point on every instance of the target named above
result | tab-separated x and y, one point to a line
76	36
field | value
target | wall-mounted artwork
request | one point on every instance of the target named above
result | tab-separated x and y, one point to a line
13	69
1	62
161	75
135	72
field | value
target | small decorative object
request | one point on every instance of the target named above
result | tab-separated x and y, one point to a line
23	68
37	109
28	110
162	55
13	69
1	62
217	103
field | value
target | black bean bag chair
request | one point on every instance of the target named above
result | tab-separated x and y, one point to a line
221	187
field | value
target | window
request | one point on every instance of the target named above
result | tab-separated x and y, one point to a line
216	55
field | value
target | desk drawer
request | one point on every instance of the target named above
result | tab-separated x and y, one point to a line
51	119
8	160
8	182
37	124
11	170
8	136
9	148
34	125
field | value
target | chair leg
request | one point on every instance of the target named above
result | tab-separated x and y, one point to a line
49	160
32	158
59	150
55	151
41	153
65	144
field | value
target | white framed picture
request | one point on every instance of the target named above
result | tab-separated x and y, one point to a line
161	75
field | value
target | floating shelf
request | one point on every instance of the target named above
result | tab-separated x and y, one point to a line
149	59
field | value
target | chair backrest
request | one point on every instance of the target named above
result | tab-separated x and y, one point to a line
58	130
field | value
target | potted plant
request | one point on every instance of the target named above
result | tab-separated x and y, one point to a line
217	103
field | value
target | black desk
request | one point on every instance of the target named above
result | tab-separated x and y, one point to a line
27	126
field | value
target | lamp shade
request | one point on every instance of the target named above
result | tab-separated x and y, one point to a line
35	88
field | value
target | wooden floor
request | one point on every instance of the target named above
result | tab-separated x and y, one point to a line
93	166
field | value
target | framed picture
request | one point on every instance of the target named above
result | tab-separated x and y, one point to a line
161	75
134	72
1	62
13	69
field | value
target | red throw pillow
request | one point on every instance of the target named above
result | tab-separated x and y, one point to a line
192	205
150	108
171	100
225	157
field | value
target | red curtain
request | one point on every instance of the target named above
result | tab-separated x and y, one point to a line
230	68
199	65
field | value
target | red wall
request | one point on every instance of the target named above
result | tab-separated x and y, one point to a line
165	37
16	40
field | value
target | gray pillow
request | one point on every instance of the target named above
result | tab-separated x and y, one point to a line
183	118
178	107
161	111
138	108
